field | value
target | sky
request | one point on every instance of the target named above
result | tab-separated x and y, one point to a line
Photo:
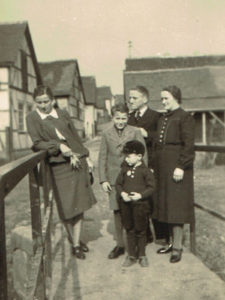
97	32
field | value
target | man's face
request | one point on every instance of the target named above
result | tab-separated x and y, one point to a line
120	120
136	100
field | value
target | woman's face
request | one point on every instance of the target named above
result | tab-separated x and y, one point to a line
44	103
168	101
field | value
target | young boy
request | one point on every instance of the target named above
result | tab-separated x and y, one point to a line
110	159
134	184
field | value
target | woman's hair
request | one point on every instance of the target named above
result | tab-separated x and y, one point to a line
41	90
120	108
174	91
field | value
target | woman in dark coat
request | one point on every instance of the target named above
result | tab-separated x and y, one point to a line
52	130
174	170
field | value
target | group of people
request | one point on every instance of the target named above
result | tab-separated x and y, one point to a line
145	167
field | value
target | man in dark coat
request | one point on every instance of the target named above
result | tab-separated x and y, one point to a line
146	119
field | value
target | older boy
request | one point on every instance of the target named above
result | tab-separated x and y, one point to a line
110	159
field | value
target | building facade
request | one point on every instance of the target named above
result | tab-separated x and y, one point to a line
63	77
19	75
201	80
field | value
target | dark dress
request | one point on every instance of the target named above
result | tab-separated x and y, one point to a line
72	188
175	149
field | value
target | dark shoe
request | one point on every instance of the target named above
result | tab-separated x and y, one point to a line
78	252
165	250
129	261
116	252
143	261
175	257
84	247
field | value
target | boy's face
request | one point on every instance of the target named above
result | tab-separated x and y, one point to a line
120	120
133	158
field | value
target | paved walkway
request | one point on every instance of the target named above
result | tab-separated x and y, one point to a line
98	278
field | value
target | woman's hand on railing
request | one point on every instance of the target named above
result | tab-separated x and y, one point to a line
66	151
178	174
75	162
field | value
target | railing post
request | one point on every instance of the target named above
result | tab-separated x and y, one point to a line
192	237
9	143
3	257
37	228
48	201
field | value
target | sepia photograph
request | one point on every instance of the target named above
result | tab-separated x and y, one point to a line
112	149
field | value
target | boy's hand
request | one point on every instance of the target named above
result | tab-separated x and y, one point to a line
135	196
125	197
143	132
90	164
106	187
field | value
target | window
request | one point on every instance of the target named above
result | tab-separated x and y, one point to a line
20	117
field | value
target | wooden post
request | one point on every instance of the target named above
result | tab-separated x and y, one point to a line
9	143
48	202
35	208
204	139
3	260
192	237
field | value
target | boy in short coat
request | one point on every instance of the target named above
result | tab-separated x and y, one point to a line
134	185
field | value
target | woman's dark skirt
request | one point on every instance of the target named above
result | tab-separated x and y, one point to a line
174	201
72	189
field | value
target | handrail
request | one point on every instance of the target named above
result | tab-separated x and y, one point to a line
14	171
205	148
10	175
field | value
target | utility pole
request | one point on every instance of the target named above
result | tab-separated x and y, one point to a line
130	49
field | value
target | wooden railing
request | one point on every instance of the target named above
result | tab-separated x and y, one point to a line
205	148
10	175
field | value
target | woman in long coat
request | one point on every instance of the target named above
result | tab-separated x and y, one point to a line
52	130
174	170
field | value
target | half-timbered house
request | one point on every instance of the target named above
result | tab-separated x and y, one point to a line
19	75
63	77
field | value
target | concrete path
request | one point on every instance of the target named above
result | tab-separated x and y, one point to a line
98	278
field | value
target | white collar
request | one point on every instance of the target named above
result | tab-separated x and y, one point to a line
43	116
142	110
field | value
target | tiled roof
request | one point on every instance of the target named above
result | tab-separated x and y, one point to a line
156	63
59	75
201	82
103	93
207	104
119	98
90	90
11	39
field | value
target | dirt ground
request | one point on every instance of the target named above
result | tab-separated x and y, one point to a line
209	191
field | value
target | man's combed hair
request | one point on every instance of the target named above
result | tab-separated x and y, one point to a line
142	89
120	108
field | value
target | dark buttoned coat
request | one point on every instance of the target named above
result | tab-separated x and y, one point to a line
149	122
111	157
174	149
